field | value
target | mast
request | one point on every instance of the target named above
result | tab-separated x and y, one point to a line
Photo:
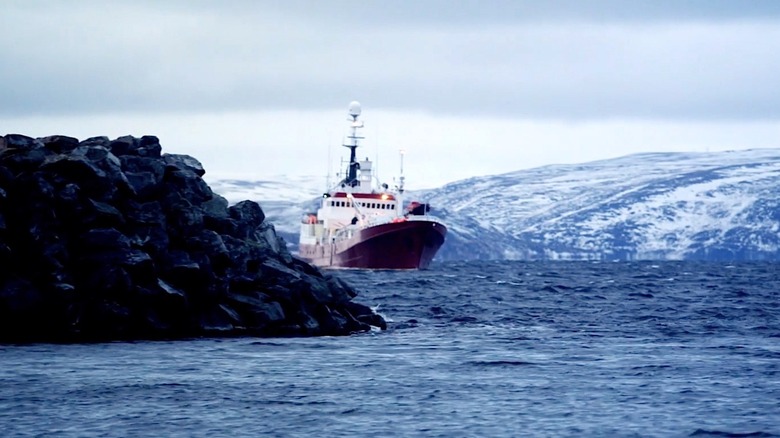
354	112
401	178
400	187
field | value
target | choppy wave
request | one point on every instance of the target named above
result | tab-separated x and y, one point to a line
472	349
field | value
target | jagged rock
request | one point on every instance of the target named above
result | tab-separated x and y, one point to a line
216	207
134	164
109	163
365	314
216	216
145	184
272	268
126	145
266	236
101	214
184	162
183	270
91	179
257	309
210	242
152	238
186	220
247	216
99	239
221	320
22	142
60	143
149	146
96	141
140	266
188	184
168	289
146	146
248	212
146	213
107	239
22	159
340	290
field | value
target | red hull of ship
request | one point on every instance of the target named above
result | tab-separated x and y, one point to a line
397	245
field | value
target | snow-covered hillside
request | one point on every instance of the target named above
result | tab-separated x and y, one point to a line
721	205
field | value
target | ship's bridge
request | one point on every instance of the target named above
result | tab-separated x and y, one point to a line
344	208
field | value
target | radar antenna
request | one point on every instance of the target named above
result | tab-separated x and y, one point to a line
354	112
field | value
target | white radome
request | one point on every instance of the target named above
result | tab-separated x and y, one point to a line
354	108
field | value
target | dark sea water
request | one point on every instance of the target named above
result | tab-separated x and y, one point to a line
498	349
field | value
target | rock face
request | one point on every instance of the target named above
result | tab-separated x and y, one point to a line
111	239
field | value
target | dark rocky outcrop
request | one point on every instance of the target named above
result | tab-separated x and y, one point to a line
111	239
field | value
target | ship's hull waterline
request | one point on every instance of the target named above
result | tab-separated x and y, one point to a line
408	244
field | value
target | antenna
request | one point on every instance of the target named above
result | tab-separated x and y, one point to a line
402	177
399	198
376	155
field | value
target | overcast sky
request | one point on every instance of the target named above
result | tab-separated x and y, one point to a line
257	89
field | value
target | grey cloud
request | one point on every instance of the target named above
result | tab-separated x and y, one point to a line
642	59
359	13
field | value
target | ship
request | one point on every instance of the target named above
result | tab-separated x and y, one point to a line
362	224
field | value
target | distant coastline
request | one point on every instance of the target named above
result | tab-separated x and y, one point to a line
652	206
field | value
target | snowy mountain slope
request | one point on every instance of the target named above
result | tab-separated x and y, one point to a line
645	206
291	190
721	205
